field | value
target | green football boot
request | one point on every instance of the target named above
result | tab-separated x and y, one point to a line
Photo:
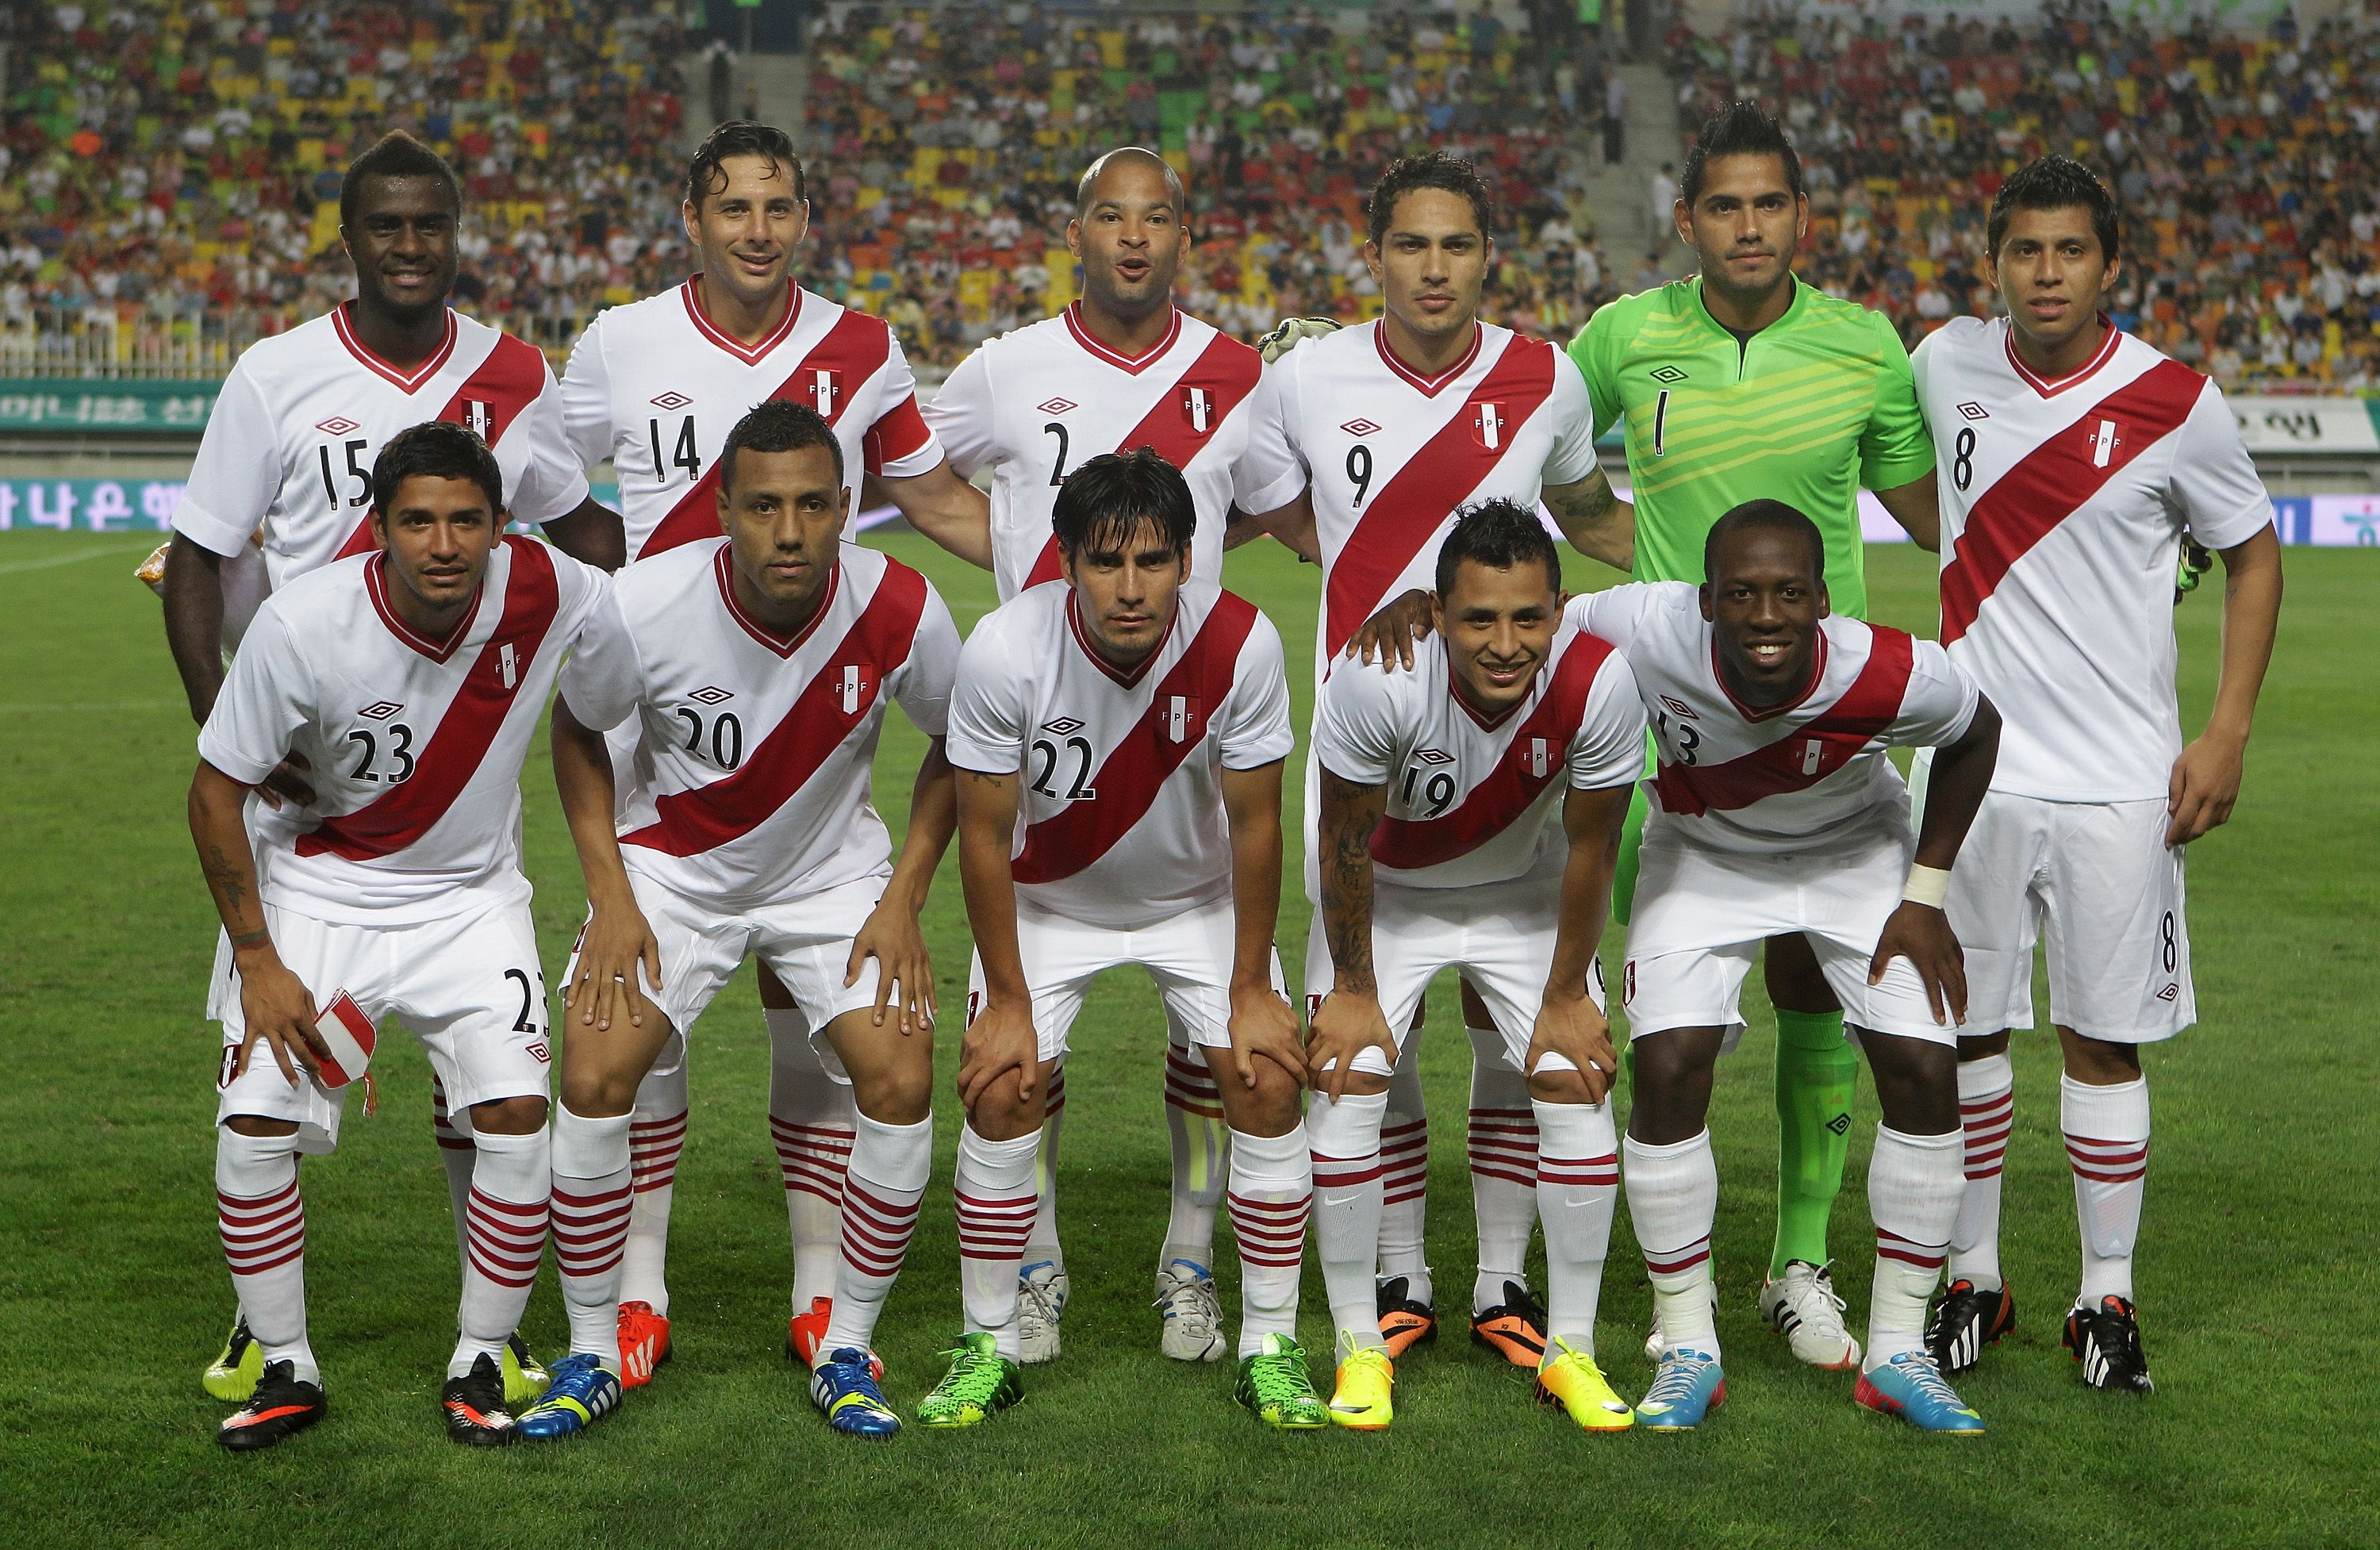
1275	1384
981	1383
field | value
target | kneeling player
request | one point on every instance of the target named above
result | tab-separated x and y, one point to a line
410	680
1440	789
1775	810
760	669
1120	737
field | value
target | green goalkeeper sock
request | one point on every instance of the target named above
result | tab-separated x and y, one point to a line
1817	1074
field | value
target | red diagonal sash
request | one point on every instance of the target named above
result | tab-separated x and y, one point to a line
2057	479
1408	511
1136	768
1496	802
689	822
402	814
1228	371
1807	754
855	347
504	385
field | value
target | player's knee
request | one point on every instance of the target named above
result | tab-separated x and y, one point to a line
1670	1084
1983	1047
514	1115
2098	1063
902	1096
258	1126
1559	1086
597	1093
1360	1083
997	1114
1916	1082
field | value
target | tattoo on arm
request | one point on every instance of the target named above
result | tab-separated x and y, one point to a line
224	876
1347	881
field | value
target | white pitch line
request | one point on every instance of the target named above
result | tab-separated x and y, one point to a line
53	561
76	706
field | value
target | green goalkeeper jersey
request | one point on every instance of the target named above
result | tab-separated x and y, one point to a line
1808	411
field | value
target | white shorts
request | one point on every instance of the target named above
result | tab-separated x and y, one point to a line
2109	888
1500	934
1701	915
805	942
1189	956
467	986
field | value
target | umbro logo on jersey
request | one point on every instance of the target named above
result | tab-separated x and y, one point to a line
1198	408
1056	406
826	386
1680	707
1668	374
1064	726
1537	757
380	710
337	425
1972	410
1359	428
1488	425
1434	756
711	693
671	400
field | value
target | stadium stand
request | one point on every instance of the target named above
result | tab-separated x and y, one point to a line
2246	165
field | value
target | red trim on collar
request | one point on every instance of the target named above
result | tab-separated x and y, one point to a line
750	355
1429	386
376	588
1083	641
1455	691
2045	386
405	381
1117	358
783	646
1817	675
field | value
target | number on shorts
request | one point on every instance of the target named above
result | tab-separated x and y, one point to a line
526	1023
2168	942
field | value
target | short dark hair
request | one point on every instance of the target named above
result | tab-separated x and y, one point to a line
1498	534
1776	517
1432	169
1108	496
1740	128
395	154
438	449
2056	183
778	425
740	136
1130	154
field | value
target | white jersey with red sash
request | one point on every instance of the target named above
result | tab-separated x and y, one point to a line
1037	403
415	744
1391	454
753	766
1120	821
2064	504
290	443
1469	801
656	386
1807	774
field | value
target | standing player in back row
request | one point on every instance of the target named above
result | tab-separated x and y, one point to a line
1743	384
1121	368
1396	424
2080	459
655	386
283	482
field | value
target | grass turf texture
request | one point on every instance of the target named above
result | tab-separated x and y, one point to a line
2256	1275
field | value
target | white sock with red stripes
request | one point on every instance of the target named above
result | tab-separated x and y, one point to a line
1405	1178
1578	1184
1201	1142
994	1190
1503	1168
510	1190
2107	1146
592	1190
1986	1112
889	1166
455	1153
1346	1138
1673	1200
1913	1184
1271	1192
813	1122
261	1219
656	1136
1041	1244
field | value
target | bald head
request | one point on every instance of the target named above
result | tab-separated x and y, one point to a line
1088	191
1129	232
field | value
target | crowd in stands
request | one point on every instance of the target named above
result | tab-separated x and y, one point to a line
2248	167
170	167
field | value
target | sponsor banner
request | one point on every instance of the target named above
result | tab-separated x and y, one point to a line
147	505
2302	425
106	405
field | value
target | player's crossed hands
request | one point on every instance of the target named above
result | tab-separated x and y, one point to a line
1343	1027
1922	934
1575	1028
617	957
279	1011
904	974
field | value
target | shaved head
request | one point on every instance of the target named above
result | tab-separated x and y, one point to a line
1086	191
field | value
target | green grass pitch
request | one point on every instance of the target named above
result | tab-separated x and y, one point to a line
2257	1257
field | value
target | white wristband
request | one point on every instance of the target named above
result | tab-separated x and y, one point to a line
1927	885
